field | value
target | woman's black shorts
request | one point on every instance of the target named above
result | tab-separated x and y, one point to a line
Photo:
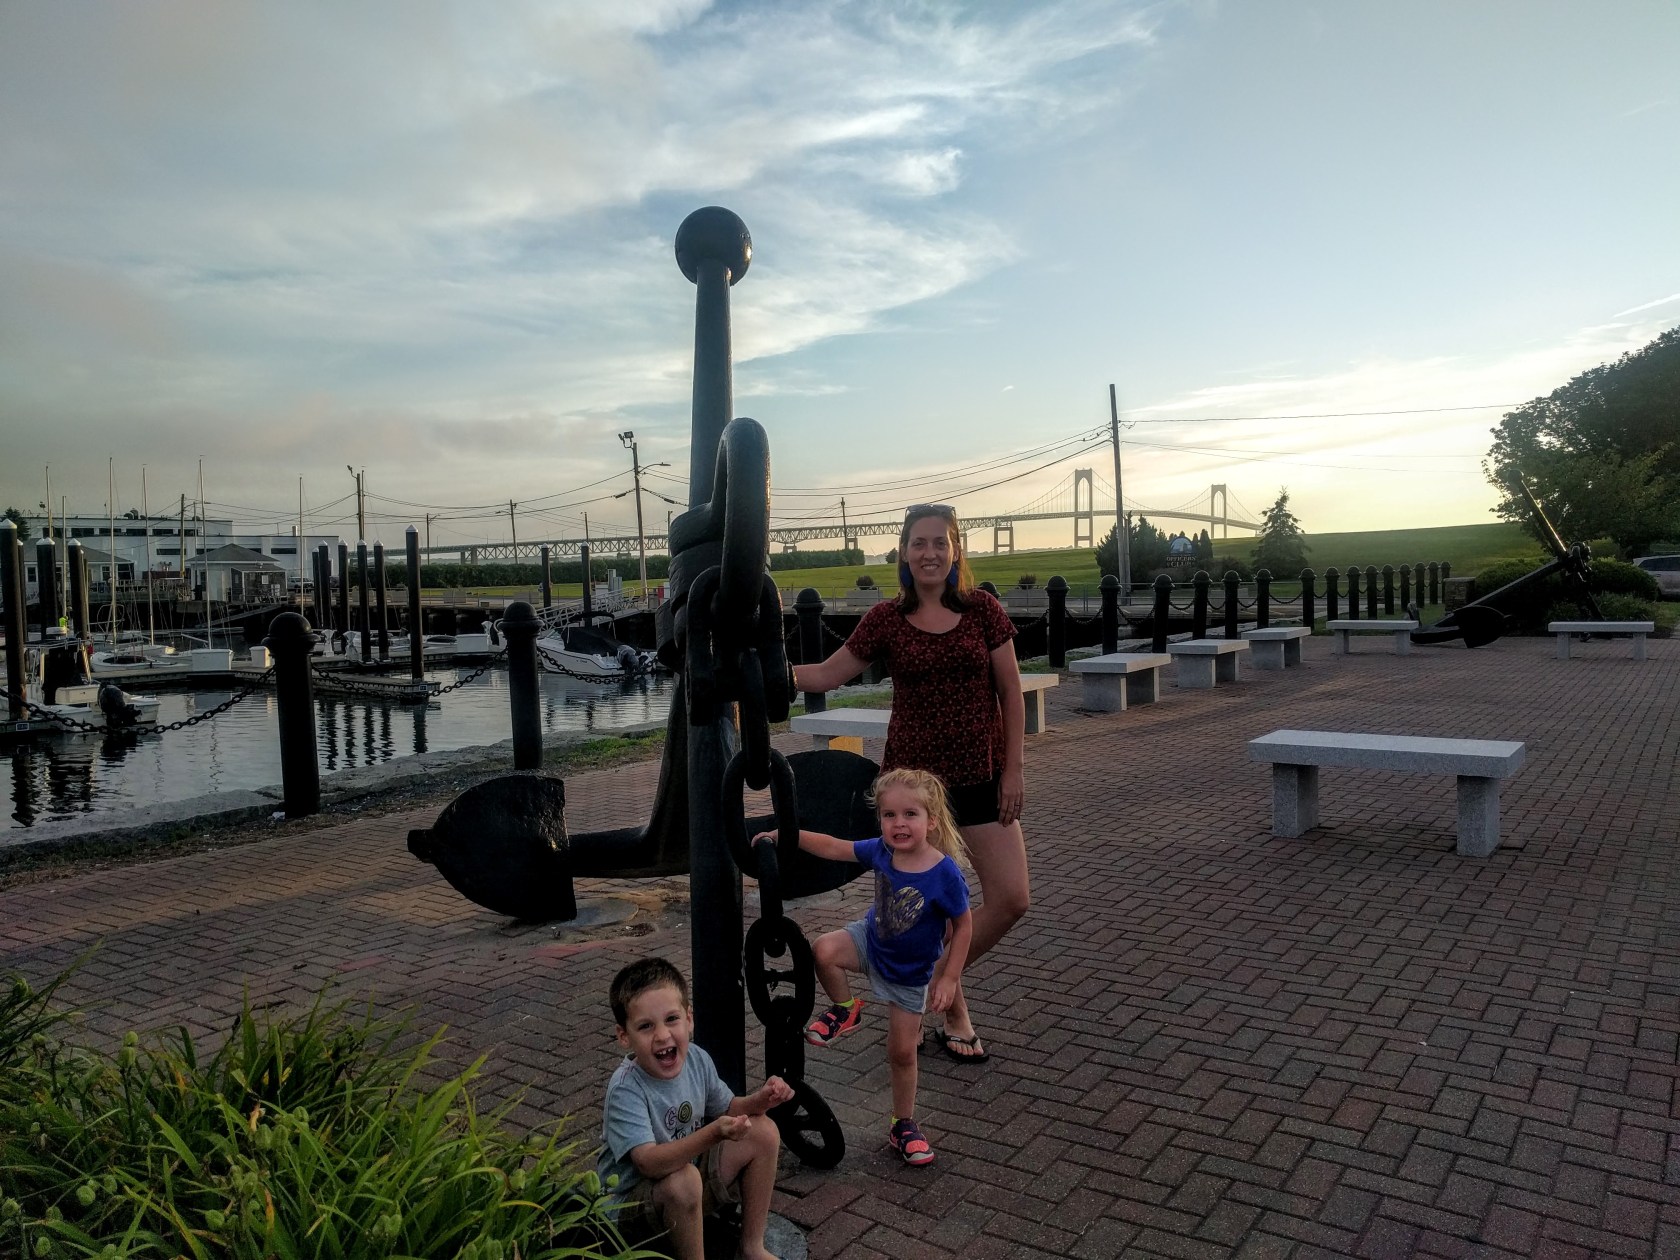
975	803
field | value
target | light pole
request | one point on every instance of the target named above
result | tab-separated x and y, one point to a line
361	515
635	469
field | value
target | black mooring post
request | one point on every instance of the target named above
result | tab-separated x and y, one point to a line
1434	582
520	625
1353	592
366	625
1371	591
292	642
990	589
714	249
588	586
1332	595
808	607
1199	614
1388	590
416	631
1309	613
1262	599
1446	572
13	591
76	562
1405	586
547	580
1163	610
1056	633
379	612
323	590
1110	613
344	593
1233	605
46	565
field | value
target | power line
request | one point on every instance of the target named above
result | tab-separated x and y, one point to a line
1324	415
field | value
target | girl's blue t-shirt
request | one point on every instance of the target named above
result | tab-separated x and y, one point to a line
907	921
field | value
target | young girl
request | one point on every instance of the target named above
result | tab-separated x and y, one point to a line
920	900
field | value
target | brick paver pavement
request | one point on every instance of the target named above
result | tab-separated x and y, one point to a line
1206	1041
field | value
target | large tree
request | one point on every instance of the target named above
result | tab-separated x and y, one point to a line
17	518
1147	553
1602	453
1282	544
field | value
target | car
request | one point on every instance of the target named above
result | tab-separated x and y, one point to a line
1666	569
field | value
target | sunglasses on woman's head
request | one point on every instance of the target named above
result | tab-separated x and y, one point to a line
929	509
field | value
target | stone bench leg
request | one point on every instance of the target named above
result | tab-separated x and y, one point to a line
1638	647
1035	711
1105	693
1402	643
1478	816
1225	667
1291	652
1294	799
1144	687
837	743
1269	654
1195	672
1563	646
1343	642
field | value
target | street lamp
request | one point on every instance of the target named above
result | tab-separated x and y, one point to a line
628	437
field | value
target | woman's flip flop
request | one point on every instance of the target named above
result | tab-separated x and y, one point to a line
945	1041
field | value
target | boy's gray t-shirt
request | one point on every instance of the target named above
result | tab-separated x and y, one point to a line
640	1108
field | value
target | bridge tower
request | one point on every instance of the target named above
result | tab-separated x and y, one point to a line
1003	538
1219	511
1084	518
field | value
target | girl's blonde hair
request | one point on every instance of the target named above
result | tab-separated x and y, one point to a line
929	788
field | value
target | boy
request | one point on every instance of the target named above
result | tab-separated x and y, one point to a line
678	1141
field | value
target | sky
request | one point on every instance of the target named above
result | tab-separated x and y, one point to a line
1312	244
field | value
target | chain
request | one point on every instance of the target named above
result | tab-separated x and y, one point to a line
223	707
472	677
386	693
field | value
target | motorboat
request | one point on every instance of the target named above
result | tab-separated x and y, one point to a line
592	655
61	685
130	659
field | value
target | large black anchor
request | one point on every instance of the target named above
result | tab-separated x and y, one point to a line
1483	620
504	843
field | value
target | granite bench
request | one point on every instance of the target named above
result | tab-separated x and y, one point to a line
1566	630
1115	679
842	728
1480	765
1205	662
1276	647
848	728
1344	630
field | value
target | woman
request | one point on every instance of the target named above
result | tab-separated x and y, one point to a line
956	711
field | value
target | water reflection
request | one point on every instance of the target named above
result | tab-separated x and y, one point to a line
60	778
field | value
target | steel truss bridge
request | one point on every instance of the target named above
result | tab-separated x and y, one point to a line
1073	500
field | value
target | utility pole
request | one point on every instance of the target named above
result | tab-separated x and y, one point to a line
514	525
845	530
182	535
361	514
628	437
1122	533
429	516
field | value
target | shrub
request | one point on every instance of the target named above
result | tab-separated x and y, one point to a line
1225	564
302	1136
865	582
1027	581
1612	583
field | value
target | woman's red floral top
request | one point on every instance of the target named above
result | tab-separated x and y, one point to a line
945	715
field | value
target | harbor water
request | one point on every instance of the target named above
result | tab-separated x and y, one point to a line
61	778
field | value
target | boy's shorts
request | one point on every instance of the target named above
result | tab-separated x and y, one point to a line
907	997
640	1215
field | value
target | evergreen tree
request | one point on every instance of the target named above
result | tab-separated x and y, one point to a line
1148	552
1282	545
16	517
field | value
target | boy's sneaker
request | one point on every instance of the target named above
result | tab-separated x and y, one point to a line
836	1020
908	1141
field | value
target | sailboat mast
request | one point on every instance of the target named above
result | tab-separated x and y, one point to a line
146	519
204	551
111	537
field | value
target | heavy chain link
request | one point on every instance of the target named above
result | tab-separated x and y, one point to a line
223	707
387	693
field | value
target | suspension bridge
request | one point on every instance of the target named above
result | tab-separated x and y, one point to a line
1082	498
